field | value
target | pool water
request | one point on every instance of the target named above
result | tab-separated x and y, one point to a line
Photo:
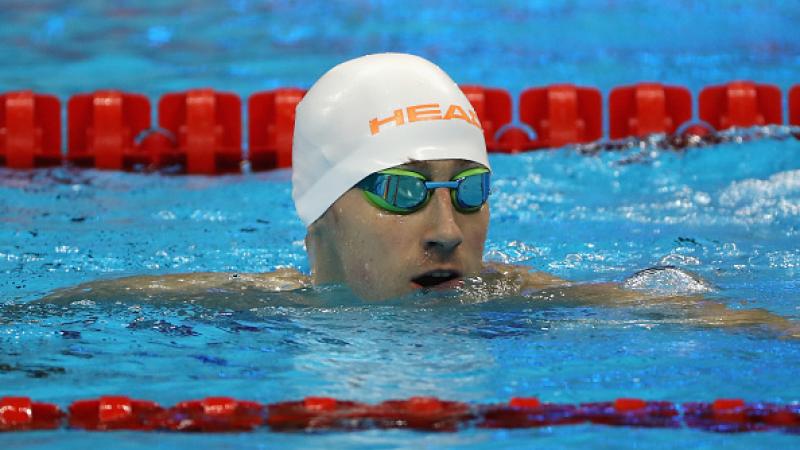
730	213
735	226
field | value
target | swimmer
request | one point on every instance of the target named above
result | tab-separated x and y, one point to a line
391	178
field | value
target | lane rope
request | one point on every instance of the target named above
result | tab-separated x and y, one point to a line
227	414
199	131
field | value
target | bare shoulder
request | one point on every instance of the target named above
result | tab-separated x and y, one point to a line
183	284
527	279
542	285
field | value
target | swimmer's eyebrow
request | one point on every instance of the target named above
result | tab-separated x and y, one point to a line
416	166
423	167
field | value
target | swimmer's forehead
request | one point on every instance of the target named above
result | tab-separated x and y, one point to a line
428	167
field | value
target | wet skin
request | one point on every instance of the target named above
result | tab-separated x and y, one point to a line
380	254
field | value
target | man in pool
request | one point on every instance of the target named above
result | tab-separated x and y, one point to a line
391	178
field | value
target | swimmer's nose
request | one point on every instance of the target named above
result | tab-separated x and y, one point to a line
444	235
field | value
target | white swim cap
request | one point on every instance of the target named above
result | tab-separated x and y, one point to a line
372	113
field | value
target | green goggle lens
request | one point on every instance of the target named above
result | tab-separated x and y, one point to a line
403	191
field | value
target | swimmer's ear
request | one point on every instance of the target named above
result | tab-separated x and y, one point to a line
323	223
323	255
309	247
312	241
312	238
315	237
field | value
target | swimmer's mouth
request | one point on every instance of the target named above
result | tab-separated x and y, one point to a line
436	278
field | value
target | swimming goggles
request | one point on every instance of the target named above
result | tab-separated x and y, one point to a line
403	191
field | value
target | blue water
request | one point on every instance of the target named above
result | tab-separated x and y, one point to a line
730	213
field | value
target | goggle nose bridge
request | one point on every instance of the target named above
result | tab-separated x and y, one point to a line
453	184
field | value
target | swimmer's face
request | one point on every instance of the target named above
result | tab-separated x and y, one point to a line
380	254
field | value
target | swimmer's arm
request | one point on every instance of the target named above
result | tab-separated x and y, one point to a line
696	309
523	276
188	284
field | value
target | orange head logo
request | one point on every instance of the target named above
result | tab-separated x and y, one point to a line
429	111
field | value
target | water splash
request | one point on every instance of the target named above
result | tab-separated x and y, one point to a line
667	280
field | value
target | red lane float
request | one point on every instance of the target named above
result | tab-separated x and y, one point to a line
22	414
562	114
421	413
271	127
741	104
647	108
632	412
102	127
527	412
325	413
794	105
30	130
214	414
493	107
207	127
317	413
115	413
734	415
